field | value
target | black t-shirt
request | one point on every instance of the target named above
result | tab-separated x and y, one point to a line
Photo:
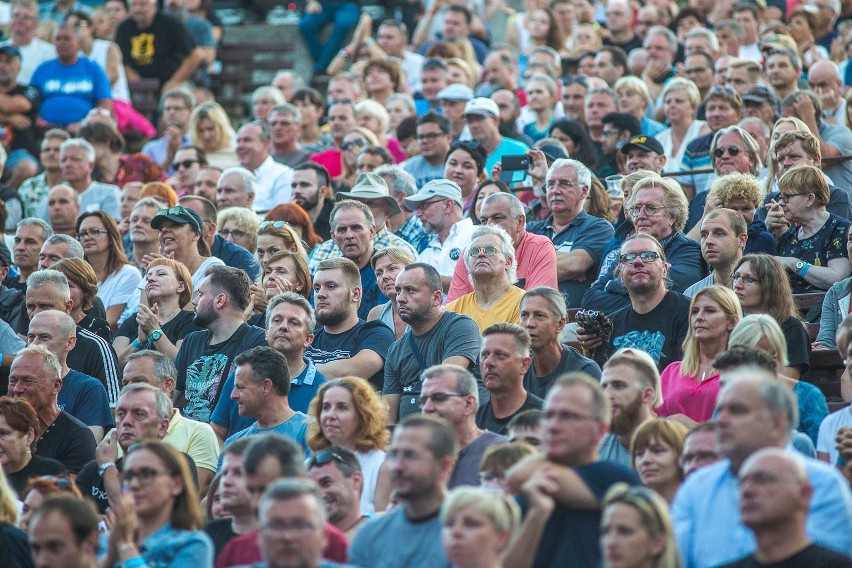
220	532
814	556
94	356
572	361
98	326
68	441
14	549
14	139
372	335
175	329
627	47
37	467
157	51
798	344
660	332
486	420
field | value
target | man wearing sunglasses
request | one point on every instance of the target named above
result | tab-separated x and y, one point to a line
338	476
186	164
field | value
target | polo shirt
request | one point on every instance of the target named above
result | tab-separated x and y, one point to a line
273	184
443	256
194	438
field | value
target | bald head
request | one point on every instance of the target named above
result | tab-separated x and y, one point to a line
60	322
774	491
824	80
62	206
55	331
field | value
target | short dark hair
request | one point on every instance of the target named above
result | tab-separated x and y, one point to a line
379	151
238	446
623	121
618	56
442	121
740	355
434	64
407	128
475	149
323	176
526	419
441	440
100	132
463	10
267	363
430	275
233	282
202	155
211	212
308	95
345	460
288	454
80	514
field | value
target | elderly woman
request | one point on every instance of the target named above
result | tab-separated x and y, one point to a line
541	100
813	249
18	425
264	98
478	526
210	129
238	225
399	107
655	452
681	100
387	264
635	98
373	116
381	79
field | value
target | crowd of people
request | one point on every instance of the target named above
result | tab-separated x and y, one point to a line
462	297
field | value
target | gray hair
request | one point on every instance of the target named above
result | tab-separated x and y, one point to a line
75	249
553	297
164	367
290	488
584	174
512	203
50	277
298	81
507	246
352	204
399	180
465	381
748	140
46	229
405	98
670	36
712	40
151	202
555	58
52	367
608	91
88	149
287	109
162	403
295	300
778	398
247	178
179	93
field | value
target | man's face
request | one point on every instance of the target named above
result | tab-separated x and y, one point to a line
67	44
697	43
391	40
44	331
497	73
187	166
353	234
49	154
143	12
605	69
564	193
496	214
455	26
598	105
28	381
284	128
52	253
454	111
205	184
627	394
640	275
414	470
252	149
699	72
431	83
9	68
230	192
639	159
729	163
204	301
824	81
505	100
24	21
413	297
140	225
720	245
332	299
482	127
793	155
745	423
484	266
502	364
531	436
54	544
62	207
176	113
306	190
339	493
248	393
618	15
720	71
569	429
74	165
749	24
339	89
136	419
780	72
610	137
28	242
720	113
573	100
771	493
287	330
647	18
699	449
538	319
368	162
140	370
658	50
45	297
434	144
293	534
340	119
737	78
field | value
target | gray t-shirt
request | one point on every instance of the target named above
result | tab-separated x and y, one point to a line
572	361
466	470
376	544
293	159
453	334
422	171
10	343
613	451
101	197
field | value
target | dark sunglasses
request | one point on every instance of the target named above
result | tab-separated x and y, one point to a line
322	458
646	256
346	145
184	164
732	150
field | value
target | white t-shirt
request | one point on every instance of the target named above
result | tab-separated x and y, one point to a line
443	256
828	432
119	286
200	273
370	462
33	55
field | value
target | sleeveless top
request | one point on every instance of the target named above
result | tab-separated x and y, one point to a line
665	138
386	317
120	90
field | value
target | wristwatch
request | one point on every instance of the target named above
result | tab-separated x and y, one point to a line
800	265
105	466
155	335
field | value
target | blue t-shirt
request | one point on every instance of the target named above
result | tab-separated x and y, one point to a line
69	92
508	147
236	256
295	428
372	335
85	398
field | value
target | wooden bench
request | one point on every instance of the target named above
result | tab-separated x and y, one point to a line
804	302
145	96
826	368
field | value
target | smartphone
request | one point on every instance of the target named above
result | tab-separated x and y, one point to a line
510	165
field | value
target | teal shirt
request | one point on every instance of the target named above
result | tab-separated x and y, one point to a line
507	147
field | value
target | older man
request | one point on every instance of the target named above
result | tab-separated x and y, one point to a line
404	224
339	479
254	141
63	208
77	161
237	187
22	35
29	238
285	123
662	46
176	107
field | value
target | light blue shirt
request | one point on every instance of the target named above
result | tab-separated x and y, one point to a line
707	524
169	547
508	147
295	428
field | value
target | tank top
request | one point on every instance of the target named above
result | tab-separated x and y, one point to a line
120	90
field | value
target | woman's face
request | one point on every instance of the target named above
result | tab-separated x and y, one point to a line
153	488
469	536
538	97
780	128
750	295
162	282
386	271
708	320
13	447
566	140
631	101
338	418
677	106
585	39
378	80
279	271
101	25
461	168
657	465
539	25
76	296
32	502
625	542
261	107
209	135
457	75
397	111
241	238
95	240
686	25
371	123
799	29
355	142
484	192
177	238
267	245
765	346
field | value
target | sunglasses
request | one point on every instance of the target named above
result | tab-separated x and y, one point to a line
183	164
322	458
274	224
646	256
732	150
354	143
61	483
488	250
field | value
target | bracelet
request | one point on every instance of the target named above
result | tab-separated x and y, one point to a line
134	562
102	470
136	345
805	269
125	546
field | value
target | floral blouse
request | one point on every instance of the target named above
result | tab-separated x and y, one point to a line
826	244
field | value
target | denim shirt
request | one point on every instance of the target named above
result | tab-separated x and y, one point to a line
168	547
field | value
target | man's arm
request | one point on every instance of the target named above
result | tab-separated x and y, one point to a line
521	552
15	104
463	362
131	73
185	71
573	265
568	488
392	402
364	364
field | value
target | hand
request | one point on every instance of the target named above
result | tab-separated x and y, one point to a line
282	284
805	110
713	202
539	489
173	135
107	450
124	226
19	121
148	320
776	221
655	69
125	522
313	7
538	165
588	341
496	170
258	298
844	444
150	257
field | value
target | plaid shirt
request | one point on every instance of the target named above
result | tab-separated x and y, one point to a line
33	194
412	231
382	240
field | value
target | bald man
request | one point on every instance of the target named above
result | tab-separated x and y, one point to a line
824	80
63	208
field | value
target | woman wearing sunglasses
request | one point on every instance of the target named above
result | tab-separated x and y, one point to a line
157	519
355	140
347	412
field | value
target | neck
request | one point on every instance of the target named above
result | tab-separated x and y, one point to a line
778	543
53	177
596	132
190	258
547	358
243	520
667	492
563	218
352	518
505	404
81	185
425	505
346	324
77	315
543	117
490	290
86	45
24	273
467	432
644	303
46	417
109	166
710	348
224	327
420	328
276	411
169	307
645	414
310	132
64	364
22	39
295	362
398	221
622	36
286	147
142	249
722	272
786	90
815	222
490	143
98	262
153	523
680	127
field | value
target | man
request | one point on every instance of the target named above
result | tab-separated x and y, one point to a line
19	105
205	357
285	124
457	26
662	46
748	16
392	39
574	91
724	235
33	191
237	187
647	17
311	188
70	85
438	206
504	360
619	19
824	80
761	102
434	135
337	473
702	40
500	71
827	13
195	439
631	381
234	497
345	344
206	182
10	297
699	448
188	161
434	77
698	67
261	386
405	224
81	396
742	75
543	315
617	129
783	69
526	427
22	34
156	46
730	35
35	377
599	102
510	115
611	61
774	498
535	254
341	117
77	161
63	533
482	116
452	100
63	208
434	337
421	458
30	236
175	107
92	355
579	238
254	141
575	419
144	239
753	411
644	153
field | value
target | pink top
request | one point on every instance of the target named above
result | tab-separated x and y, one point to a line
395	150
685	395
536	263
332	159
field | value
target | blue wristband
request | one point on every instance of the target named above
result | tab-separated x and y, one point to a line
805	269
136	345
134	562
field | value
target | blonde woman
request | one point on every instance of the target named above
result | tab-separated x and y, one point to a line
461	72
372	116
585	38
634	97
210	129
239	225
478	525
681	100
264	98
14	548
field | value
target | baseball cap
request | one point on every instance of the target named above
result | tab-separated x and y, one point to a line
435	188
761	94
553	152
482	106
370	186
5	255
10	50
643	142
178	214
455	92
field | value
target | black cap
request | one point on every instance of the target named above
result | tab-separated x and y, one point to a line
10	50
553	152
644	142
178	214
5	255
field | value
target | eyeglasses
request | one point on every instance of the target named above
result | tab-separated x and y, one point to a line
746	278
650	210
233	233
274	224
322	458
183	164
787	197
144	475
426	204
92	233
646	256
487	250
561	184
438	397
732	150
431	137
352	144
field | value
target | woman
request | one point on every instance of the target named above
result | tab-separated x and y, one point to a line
655	449
636	530
541	98
18	425
687	20
544	30
214	509
210	129
277	236
465	165
264	98
348	412
399	106
635	98
387	264
283	271
458	71
762	332
478	526
238	225
158	512
576	141
381	79
802	25
760	283
373	116
14	549
117	278
162	322
111	166
690	387
483	190
598	203
835	307
299	221
40	487
355	140
181	238
681	100
161	192
584	39
83	283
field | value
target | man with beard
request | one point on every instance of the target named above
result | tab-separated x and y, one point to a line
632	384
205	357
312	192
434	337
338	476
19	108
345	344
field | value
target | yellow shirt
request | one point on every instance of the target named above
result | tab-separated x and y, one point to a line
507	309
196	439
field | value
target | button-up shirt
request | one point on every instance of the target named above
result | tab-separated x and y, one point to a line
273	184
443	256
382	240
